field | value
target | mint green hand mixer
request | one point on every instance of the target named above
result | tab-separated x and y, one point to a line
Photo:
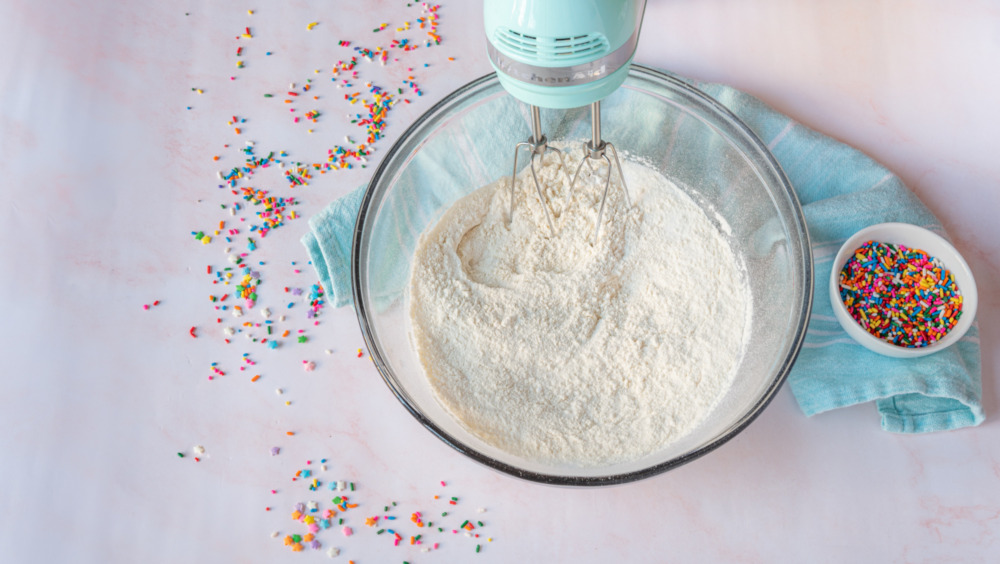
563	54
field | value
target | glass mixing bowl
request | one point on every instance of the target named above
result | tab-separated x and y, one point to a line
467	140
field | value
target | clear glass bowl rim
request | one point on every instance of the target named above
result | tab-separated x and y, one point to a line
784	367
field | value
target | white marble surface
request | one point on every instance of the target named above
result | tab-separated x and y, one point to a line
108	174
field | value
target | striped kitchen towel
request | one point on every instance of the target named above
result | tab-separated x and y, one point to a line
841	190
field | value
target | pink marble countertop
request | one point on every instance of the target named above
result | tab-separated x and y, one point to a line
110	174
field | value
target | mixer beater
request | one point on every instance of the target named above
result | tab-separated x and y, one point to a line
538	144
563	54
595	150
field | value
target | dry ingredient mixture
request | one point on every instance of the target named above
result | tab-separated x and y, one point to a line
559	350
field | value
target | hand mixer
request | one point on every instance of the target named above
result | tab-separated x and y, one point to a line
563	54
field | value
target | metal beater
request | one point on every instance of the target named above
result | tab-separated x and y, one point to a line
563	54
595	150
537	144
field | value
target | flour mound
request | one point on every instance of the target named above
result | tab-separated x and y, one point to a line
567	350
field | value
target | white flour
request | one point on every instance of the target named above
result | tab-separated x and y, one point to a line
553	349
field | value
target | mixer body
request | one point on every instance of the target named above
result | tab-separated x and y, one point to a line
564	54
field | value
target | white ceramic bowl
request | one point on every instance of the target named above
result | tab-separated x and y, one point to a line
913	237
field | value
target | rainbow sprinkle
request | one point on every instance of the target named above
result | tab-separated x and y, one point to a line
316	517
254	208
903	296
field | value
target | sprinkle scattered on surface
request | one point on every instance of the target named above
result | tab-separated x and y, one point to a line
252	210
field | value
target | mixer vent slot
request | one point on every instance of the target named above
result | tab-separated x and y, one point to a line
565	50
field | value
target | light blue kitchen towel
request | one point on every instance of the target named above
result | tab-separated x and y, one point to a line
841	191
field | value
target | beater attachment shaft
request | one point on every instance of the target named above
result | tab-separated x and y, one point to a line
595	150
538	145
